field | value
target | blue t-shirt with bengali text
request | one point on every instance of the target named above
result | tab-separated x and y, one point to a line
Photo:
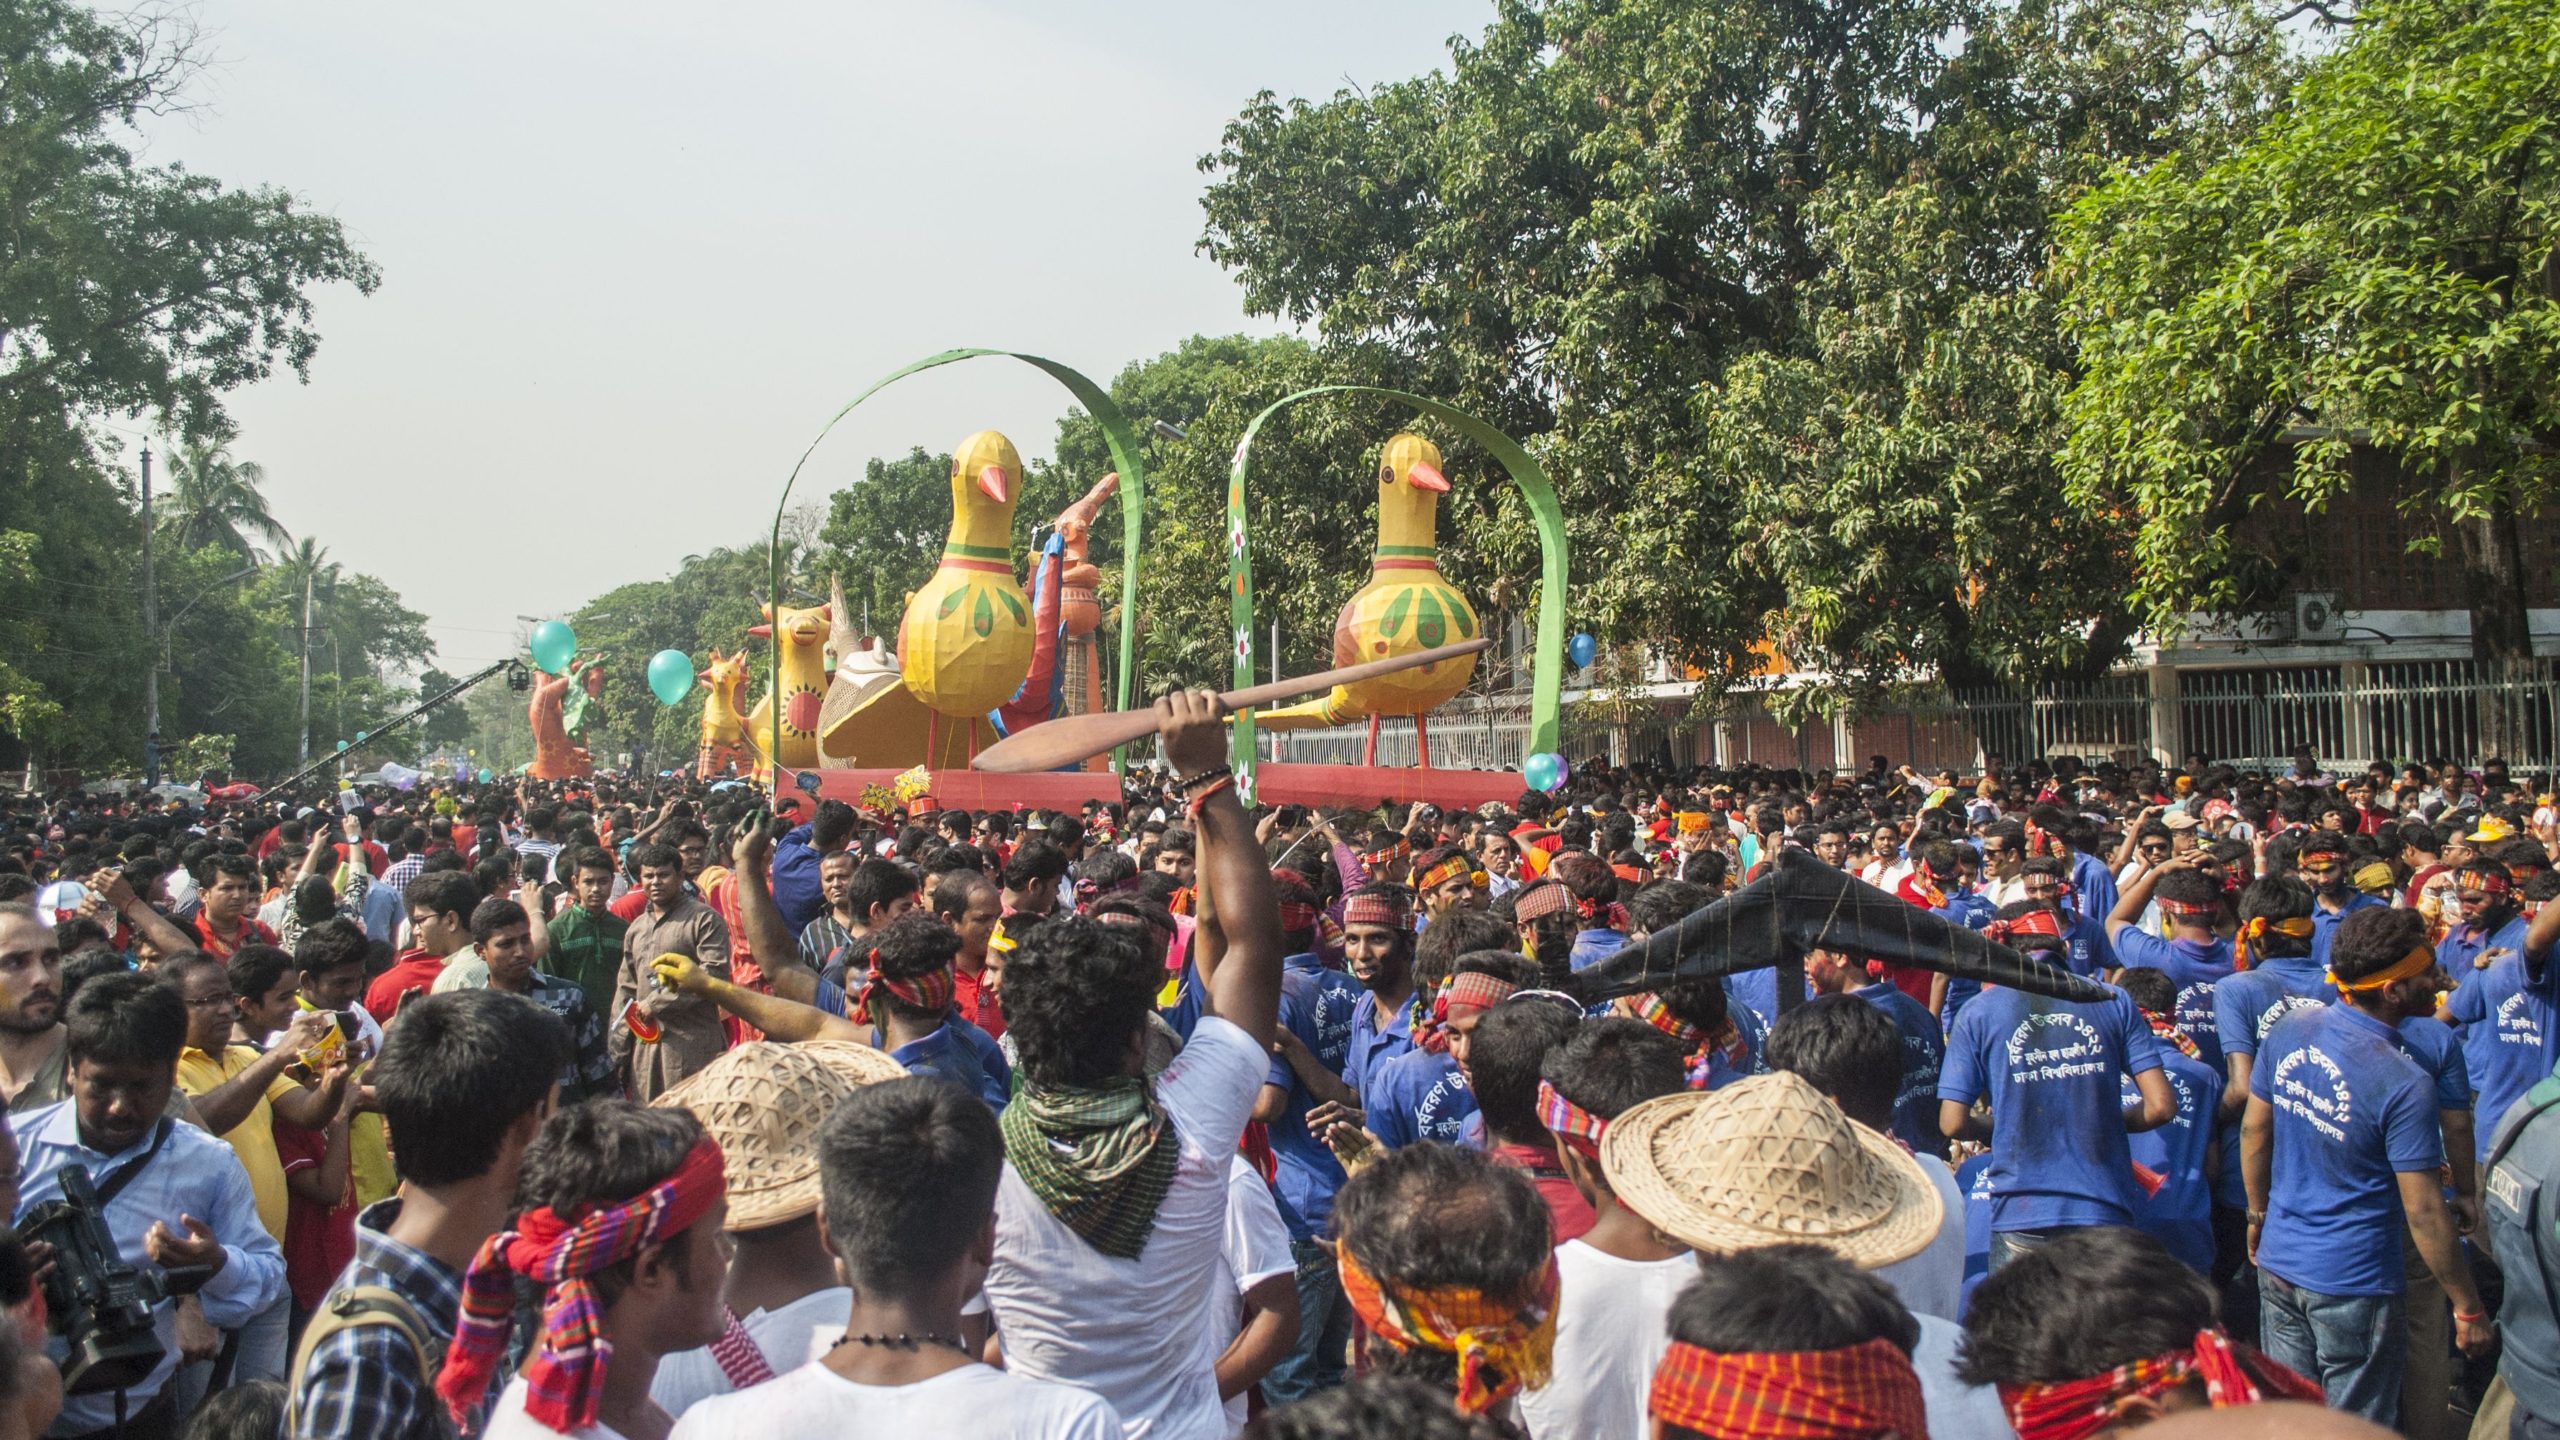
1973	1181
2353	1112
1970	910
2195	969
1915	1105
2180	1213
2051	1069
2325	922
2438	1052
1417	1096
1373	1042
1757	991
2246	1005
2462	946
1305	1174
2084	946
2502	1044
1335	996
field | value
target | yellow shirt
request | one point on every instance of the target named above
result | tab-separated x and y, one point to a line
368	1145
253	1139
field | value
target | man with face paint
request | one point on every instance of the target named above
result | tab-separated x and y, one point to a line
2326	861
1445	880
2484	955
1377	950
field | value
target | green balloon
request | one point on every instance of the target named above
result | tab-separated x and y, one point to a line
342	745
670	676
554	645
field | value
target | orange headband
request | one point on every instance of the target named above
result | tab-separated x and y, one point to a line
1502	1346
2416	962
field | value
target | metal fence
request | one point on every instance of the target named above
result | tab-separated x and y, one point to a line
2346	714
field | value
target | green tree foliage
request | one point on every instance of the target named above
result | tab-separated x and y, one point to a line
1765	283
883	534
447	724
2378	265
213	499
128	289
1312	501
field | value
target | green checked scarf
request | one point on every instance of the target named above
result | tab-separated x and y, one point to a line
1101	1158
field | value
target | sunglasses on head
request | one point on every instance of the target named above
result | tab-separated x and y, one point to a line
1551	997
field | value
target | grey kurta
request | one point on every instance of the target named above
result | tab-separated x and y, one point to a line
693	1034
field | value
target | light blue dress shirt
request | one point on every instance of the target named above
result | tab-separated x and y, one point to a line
193	1174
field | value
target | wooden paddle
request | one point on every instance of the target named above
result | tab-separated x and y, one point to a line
1072	738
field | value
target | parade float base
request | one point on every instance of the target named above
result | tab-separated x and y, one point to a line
967	789
1362	786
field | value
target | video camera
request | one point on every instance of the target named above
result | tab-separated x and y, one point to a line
100	1302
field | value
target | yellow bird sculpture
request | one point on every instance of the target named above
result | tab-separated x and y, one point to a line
966	640
1406	607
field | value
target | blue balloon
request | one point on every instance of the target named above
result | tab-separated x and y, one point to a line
1546	771
1582	650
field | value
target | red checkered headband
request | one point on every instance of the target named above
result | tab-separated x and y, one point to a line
562	1253
1377	908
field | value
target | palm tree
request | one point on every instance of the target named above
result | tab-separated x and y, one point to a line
216	500
307	562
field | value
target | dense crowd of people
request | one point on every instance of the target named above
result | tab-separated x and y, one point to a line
625	1107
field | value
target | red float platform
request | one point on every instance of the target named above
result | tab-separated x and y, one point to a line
1362	786
969	789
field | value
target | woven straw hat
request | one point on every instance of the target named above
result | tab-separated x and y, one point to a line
764	1102
1770	1161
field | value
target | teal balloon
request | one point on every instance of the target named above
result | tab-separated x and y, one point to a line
1582	650
670	676
486	774
342	744
554	645
1546	771
363	735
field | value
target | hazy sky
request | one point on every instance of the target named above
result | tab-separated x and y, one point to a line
634	254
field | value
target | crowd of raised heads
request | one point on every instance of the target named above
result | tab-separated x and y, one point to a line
637	1107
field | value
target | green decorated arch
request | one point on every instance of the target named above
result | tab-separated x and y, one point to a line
1132	498
1547	673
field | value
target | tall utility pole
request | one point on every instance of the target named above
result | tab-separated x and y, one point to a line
306	663
150	638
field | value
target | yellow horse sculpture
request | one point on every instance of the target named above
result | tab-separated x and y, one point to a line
799	688
724	728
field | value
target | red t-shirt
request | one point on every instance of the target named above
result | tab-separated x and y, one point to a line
975	1004
319	1240
463	835
1568	1214
414	973
252	932
376	859
627	906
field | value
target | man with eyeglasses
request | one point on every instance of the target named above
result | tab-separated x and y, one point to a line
2004	859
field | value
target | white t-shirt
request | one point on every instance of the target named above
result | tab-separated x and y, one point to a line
1613	1320
794	1335
510	1422
1932	1282
974	1400
1071	1314
1957	1411
1257	1248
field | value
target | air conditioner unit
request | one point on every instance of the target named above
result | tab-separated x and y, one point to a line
2316	617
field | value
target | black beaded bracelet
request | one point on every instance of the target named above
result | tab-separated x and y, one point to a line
1189	783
